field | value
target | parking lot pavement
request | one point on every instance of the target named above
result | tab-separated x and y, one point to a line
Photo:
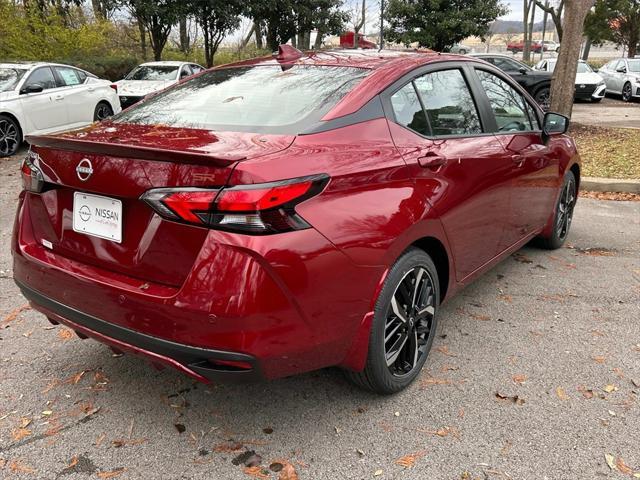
531	377
610	112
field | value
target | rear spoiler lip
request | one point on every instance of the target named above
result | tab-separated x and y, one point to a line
131	151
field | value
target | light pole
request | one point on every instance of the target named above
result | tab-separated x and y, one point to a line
381	24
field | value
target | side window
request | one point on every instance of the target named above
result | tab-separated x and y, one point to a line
185	71
69	76
82	76
620	64
196	68
408	110
42	76
448	102
509	107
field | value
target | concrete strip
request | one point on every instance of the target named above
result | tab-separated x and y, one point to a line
616	185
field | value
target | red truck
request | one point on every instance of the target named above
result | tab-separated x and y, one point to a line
347	41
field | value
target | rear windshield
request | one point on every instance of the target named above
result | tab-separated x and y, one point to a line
260	99
153	72
9	78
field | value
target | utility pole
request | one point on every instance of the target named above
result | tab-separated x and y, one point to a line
381	24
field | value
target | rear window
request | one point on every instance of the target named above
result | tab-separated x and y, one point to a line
260	99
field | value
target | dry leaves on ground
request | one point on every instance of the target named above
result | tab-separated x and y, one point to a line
508	398
613	196
562	395
257	472
409	461
519	379
65	334
13	314
16	466
112	473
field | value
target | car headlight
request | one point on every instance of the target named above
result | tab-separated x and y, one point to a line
600	83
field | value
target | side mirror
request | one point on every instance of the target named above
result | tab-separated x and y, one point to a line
33	88
522	70
621	69
554	124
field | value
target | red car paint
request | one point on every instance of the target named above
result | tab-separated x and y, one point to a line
267	306
347	40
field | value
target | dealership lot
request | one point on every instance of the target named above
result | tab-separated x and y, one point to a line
611	112
535	373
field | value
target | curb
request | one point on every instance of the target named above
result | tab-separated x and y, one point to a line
614	185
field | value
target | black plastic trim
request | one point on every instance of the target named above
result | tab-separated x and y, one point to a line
371	110
194	358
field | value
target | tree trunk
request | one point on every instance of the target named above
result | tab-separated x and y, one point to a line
97	9
143	39
634	38
258	30
247	39
317	45
526	7
185	41
564	75
586	50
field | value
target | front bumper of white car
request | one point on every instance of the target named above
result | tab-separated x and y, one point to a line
600	91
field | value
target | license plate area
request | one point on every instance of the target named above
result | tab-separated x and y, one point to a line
97	216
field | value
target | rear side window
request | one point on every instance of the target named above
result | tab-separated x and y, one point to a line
408	109
508	105
42	76
448	103
69	76
260	99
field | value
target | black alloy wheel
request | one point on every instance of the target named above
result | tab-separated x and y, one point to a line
627	92
563	214
543	97
404	325
102	112
10	136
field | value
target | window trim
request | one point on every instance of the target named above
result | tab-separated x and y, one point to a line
41	67
409	77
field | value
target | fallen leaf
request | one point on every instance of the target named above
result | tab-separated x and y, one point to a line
228	447
520	379
444	349
409	461
72	463
562	395
506	298
377	473
610	388
624	468
17	466
111	473
599	359
65	334
610	461
13	314
482	318
257	472
586	392
20	433
288	473
515	399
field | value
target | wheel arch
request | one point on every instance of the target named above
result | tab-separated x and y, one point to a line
575	169
15	119
438	253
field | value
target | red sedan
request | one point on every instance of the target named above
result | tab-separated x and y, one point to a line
290	213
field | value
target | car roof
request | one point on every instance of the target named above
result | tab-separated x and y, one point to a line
168	63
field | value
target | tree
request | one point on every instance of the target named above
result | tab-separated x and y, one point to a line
564	75
217	18
626	25
597	25
526	11
277	16
157	17
556	15
439	24
358	18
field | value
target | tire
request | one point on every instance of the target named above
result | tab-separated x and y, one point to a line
563	213
596	100
102	111
391	366
627	92
10	136
542	97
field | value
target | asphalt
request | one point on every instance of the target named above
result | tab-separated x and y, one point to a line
610	112
556	334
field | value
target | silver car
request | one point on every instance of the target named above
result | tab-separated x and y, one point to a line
622	77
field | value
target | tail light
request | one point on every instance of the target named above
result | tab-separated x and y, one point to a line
114	86
262	208
32	179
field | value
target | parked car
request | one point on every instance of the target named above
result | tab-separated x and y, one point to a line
347	41
547	46
622	77
518	46
461	49
537	83
589	85
40	98
152	77
252	224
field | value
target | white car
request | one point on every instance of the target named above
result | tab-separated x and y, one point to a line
152	77
589	84
40	98
622	76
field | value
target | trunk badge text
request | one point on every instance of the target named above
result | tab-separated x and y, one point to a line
84	169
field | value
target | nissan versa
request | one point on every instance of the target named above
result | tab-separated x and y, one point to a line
290	213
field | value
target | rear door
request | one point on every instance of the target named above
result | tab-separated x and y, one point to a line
45	110
534	170
80	97
460	167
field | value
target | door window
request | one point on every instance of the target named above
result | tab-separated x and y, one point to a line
69	76
42	76
408	110
508	105
448	103
185	72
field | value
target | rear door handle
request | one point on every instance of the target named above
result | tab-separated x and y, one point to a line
432	161
58	97
517	159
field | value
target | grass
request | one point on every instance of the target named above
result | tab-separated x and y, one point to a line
608	152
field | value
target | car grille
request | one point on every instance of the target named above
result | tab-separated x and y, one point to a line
585	89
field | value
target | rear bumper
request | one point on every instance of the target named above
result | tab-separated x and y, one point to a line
203	364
